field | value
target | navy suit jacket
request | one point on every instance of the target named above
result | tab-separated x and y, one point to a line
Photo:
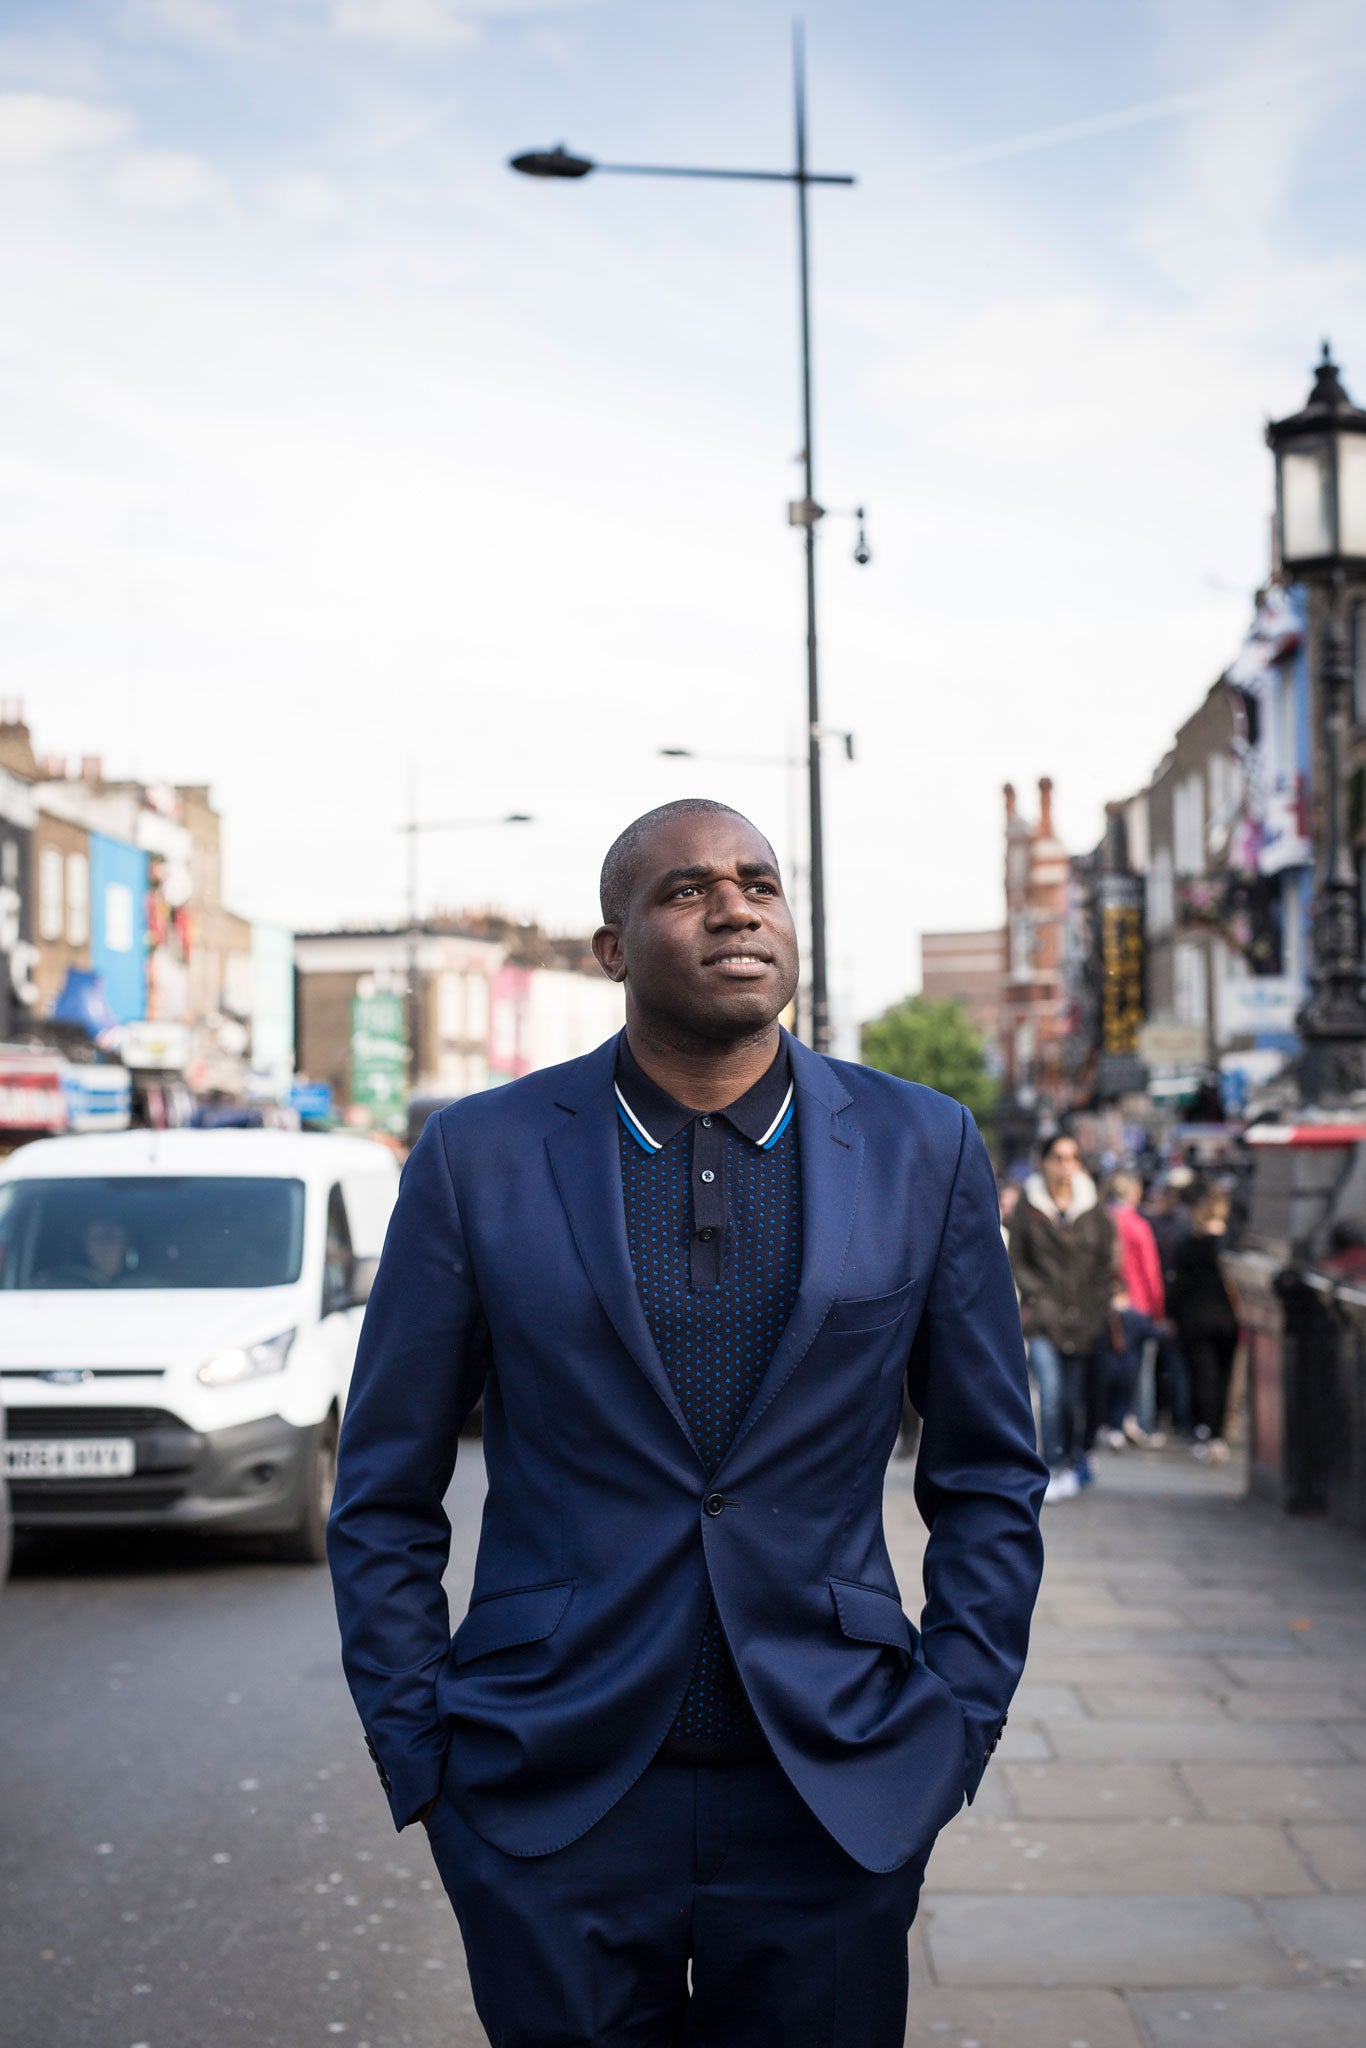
506	1273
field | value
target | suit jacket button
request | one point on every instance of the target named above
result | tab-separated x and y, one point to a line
715	1503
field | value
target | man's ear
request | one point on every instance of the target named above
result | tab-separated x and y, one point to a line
609	951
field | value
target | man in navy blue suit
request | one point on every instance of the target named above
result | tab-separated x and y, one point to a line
684	1760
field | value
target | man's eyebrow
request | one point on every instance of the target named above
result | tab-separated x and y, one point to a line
748	870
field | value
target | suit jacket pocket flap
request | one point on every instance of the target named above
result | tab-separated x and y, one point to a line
872	1617
502	1619
871	1311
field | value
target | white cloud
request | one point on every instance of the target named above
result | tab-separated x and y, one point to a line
38	128
420	22
168	181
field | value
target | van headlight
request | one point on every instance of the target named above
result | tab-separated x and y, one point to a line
249	1362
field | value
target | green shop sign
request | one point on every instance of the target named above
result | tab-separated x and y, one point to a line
379	1060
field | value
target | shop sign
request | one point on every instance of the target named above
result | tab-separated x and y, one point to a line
1174	1046
1119	908
1254	1003
163	1046
97	1098
312	1100
31	1097
379	1060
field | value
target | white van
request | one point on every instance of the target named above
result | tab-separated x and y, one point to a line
179	1313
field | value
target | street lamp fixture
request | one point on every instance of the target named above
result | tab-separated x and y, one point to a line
413	828
1320	457
1321	481
562	162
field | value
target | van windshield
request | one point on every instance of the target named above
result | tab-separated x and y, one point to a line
150	1230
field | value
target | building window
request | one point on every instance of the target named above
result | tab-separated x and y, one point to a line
1188	825
50	894
77	899
118	917
1190	984
1159	905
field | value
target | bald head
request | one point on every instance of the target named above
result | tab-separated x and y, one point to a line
626	855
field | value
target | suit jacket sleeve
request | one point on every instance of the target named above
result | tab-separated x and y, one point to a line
979	1481
419	1370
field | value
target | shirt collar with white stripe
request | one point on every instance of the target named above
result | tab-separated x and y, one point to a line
652	1116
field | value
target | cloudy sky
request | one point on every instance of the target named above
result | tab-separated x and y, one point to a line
331	453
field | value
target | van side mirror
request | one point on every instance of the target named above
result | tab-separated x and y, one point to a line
363	1273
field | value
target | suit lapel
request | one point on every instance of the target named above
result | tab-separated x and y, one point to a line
586	1161
831	1166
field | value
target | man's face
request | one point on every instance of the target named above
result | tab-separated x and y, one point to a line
707	943
1059	1168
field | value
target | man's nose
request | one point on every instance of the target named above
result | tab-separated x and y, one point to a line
730	907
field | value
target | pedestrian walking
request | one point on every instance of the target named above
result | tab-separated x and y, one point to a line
686	1757
1167	1214
1064	1253
1124	1336
1141	1266
1207	1322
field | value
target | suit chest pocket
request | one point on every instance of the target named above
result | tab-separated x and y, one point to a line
870	1311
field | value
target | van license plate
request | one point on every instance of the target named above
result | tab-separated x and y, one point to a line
89	1457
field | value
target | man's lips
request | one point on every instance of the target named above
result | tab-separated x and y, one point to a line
743	964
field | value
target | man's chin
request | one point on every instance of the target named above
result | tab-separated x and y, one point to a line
738	1013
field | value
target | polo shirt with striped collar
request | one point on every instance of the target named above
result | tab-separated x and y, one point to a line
713	1222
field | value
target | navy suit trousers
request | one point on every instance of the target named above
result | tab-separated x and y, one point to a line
707	1909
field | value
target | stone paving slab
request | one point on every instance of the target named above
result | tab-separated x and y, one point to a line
1352	1735
1099	1792
1024	2019
1181	1674
1138	1942
1336	1855
1231	1861
1316	1792
1035	1701
1068	1611
1334	2017
1283	1703
1027	1745
1349	1673
1330	1932
1149	1703
1272	1742
1053	1639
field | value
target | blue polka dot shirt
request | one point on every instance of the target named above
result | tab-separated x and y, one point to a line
713	1220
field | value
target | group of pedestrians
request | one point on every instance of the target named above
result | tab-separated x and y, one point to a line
1109	1287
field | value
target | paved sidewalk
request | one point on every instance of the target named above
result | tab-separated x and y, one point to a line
1169	1848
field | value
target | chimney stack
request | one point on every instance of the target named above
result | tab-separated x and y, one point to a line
1045	807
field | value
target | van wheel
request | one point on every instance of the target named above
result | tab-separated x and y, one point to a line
306	1542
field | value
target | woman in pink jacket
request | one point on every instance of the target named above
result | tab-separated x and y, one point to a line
1142	1269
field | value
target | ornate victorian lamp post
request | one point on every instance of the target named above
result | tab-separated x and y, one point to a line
1321	506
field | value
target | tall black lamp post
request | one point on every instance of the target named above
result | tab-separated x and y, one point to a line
1321	508
803	512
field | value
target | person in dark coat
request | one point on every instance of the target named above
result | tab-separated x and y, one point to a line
1064	1253
1206	1319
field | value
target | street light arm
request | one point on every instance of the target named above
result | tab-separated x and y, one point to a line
562	163
461	824
760	177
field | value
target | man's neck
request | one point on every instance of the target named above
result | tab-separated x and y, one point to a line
700	1075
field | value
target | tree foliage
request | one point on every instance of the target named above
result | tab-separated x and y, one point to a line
934	1043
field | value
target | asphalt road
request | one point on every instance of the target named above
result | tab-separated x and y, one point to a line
194	1849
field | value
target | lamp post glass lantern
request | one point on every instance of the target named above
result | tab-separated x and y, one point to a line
1321	480
1320	455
